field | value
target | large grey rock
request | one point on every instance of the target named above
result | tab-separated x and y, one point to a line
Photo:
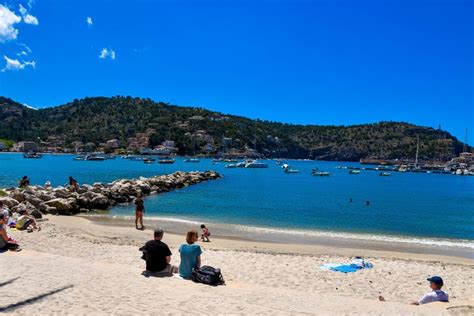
100	202
63	206
8	201
33	200
17	195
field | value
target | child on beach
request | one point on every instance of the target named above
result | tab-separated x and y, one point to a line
436	295
205	233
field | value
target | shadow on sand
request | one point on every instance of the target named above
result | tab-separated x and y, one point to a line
9	281
31	300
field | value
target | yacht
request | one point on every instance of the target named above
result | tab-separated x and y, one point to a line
385	174
32	155
255	164
352	171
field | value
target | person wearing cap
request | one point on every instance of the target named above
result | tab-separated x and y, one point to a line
157	255
437	295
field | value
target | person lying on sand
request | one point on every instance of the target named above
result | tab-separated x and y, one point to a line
157	255
190	255
26	222
436	295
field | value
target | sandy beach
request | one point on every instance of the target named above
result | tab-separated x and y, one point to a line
75	266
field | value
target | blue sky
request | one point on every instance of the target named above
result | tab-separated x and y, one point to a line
311	62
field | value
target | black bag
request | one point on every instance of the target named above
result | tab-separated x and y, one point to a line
208	275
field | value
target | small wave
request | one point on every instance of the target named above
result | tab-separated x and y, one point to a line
464	243
441	242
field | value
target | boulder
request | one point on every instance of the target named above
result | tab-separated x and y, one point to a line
36	214
61	193
100	202
9	202
17	195
63	206
33	200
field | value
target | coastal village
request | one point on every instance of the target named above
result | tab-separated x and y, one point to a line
140	146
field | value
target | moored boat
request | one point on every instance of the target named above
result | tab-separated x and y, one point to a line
32	155
385	174
166	160
255	164
191	160
352	171
316	172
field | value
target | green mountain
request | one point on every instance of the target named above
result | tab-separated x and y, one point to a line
99	119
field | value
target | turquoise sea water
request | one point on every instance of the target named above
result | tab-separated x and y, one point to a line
405	204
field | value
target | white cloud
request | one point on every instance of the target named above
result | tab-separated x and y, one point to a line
30	3
22	53
104	53
89	21
28	50
7	21
15	64
28	18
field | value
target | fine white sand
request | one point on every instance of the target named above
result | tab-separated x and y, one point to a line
74	266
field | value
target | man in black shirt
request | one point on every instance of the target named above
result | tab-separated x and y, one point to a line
158	256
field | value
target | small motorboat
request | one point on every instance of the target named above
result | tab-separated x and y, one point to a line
385	174
166	161
191	160
231	165
32	155
287	169
354	171
315	172
230	160
149	160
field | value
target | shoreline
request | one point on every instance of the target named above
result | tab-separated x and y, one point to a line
76	266
295	243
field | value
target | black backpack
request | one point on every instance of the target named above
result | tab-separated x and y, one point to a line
208	275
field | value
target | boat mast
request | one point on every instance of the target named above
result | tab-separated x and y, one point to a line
417	149
465	143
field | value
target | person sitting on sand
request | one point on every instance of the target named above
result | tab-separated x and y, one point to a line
139	211
436	295
205	233
190	255
4	210
26	222
158	255
24	182
6	242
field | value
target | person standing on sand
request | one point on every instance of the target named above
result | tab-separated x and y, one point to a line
436	295
190	255
139	211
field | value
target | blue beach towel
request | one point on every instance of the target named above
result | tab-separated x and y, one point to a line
346	268
355	265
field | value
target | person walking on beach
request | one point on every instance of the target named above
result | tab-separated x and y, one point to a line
190	254
436	295
157	255
139	211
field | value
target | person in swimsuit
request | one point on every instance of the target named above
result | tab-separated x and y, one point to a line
139	211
